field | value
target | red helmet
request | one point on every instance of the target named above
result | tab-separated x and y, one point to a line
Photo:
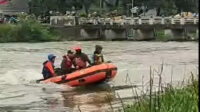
78	48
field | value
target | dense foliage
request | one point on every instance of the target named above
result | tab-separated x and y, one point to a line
172	100
27	29
164	7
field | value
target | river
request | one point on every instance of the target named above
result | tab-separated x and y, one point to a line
21	64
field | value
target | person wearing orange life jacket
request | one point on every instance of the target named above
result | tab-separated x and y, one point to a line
97	57
48	67
66	65
80	59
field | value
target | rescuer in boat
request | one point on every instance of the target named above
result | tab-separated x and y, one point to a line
97	57
48	67
80	59
67	62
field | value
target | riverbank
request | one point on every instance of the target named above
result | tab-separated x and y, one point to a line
27	29
169	99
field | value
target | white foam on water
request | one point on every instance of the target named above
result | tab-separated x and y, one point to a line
20	76
19	88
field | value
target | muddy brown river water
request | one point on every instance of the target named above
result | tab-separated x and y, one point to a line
21	64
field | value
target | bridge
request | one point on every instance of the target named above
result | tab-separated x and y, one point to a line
126	28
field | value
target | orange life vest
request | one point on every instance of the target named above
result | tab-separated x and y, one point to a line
48	69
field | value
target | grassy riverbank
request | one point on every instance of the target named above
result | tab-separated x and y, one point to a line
27	29
172	99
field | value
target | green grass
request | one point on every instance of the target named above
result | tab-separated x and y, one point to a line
173	99
28	29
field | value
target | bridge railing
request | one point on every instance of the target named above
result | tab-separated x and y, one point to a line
160	20
62	20
142	21
70	21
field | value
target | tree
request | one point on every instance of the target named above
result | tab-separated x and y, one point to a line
187	5
165	7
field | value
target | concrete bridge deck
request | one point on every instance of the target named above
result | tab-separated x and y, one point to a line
126	29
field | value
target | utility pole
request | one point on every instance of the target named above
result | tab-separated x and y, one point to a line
30	6
132	3
132	8
100	4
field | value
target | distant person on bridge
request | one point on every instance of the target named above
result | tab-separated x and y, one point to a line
80	59
48	67
97	57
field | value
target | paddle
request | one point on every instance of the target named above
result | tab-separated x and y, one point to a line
38	81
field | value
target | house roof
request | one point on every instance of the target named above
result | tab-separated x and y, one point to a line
14	7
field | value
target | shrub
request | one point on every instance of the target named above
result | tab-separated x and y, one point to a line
28	29
183	99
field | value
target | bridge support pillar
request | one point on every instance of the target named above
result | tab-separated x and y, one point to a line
197	34
191	33
115	34
176	34
90	34
144	34
68	33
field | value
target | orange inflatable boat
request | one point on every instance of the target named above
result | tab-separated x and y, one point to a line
94	74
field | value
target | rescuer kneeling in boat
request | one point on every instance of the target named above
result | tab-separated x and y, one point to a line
80	59
97	57
48	67
66	65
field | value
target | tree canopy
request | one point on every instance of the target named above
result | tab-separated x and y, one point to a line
164	7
